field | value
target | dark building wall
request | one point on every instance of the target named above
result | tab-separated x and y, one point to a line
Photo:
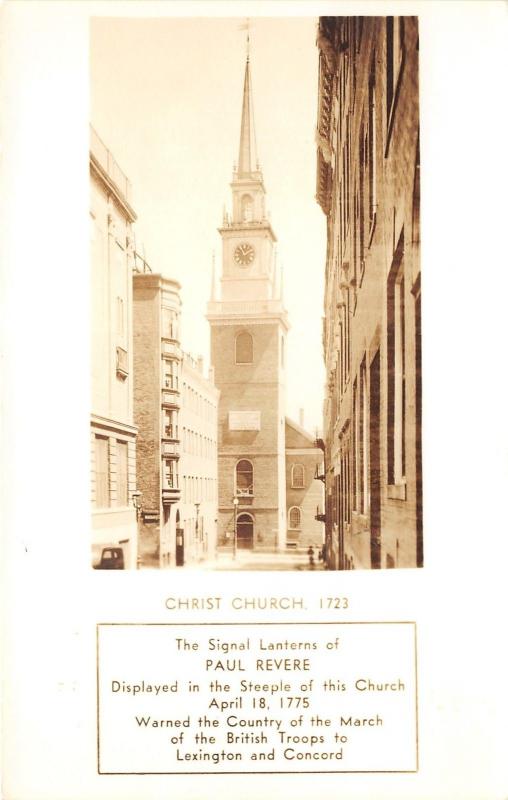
368	186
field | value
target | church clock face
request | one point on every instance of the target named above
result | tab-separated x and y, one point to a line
244	254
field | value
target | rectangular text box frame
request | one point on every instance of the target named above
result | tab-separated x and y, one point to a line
260	772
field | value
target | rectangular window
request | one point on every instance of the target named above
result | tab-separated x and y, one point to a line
362	168
396	372
416	198
170	374
120	323
169	424
394	63
354	426
170	474
362	432
169	324
102	496
372	147
122	498
347	175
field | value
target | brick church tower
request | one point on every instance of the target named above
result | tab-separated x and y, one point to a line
249	325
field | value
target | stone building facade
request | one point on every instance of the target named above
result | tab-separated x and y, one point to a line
368	173
197	509
113	430
157	402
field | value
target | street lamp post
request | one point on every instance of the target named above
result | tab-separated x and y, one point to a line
235	533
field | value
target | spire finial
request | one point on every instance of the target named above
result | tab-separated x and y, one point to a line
246	27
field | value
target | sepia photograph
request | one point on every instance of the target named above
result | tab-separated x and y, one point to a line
255	237
210	257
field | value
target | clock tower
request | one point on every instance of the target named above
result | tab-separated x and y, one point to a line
248	328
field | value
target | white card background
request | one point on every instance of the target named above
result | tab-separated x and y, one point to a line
53	600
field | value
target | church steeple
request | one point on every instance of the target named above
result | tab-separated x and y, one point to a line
247	184
248	270
247	156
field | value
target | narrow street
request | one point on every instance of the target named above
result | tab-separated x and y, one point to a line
250	561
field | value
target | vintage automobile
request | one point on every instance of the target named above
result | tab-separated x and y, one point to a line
111	558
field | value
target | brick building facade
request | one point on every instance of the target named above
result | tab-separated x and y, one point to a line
157	401
368	186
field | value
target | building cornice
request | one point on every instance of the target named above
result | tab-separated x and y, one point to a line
327	70
249	319
111	188
247	229
114	425
304	451
154	280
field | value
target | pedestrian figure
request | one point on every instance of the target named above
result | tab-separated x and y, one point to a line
310	553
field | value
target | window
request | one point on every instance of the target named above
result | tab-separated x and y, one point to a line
394	63
102	498
244	348
396	371
171	375
416	198
122	497
244	478
122	363
120	329
170	474
297	476
362	169
362	439
246	204
295	518
371	147
169	324
354	474
170	424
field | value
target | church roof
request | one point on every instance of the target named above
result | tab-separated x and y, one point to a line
247	156
296	436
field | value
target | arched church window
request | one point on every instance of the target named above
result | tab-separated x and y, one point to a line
244	478
297	476
295	518
246	208
244	348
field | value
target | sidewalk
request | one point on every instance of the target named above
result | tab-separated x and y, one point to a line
249	560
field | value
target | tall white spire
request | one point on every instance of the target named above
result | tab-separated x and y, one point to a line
247	156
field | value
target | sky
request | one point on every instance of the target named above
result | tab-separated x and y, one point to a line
166	99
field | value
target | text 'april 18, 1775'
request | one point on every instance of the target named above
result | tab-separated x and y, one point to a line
215	698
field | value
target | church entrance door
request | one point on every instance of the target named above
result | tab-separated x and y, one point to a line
245	532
